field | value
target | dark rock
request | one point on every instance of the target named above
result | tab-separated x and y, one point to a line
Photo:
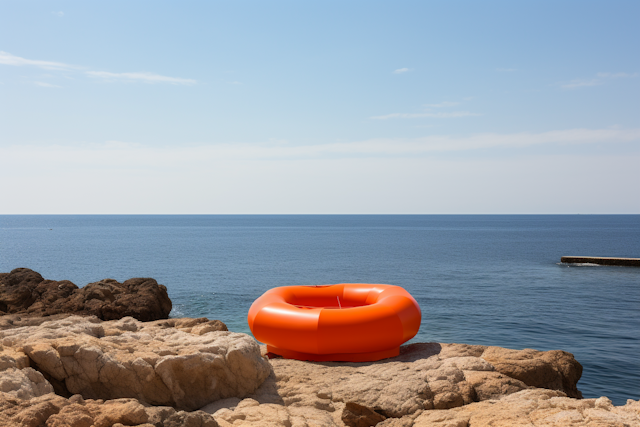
24	291
355	415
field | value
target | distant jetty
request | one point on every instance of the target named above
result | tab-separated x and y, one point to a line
601	260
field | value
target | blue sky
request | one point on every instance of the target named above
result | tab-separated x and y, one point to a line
319	107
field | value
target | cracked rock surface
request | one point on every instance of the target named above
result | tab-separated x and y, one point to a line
444	385
51	410
185	363
83	372
535	407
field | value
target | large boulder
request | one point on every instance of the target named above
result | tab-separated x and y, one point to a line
24	291
554	370
184	363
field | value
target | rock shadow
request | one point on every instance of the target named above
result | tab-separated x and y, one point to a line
268	391
408	353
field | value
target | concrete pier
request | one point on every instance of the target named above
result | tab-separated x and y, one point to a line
602	260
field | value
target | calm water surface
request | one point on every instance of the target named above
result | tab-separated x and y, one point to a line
490	280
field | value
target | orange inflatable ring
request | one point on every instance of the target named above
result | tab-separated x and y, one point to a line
353	322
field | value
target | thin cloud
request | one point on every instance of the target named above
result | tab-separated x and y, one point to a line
58	14
573	84
438	115
443	143
140	155
601	78
617	75
444	104
447	143
429	114
141	77
401	70
8	59
44	84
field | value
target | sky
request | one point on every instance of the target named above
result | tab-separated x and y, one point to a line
300	107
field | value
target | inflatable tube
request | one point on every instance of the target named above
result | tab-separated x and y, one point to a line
353	322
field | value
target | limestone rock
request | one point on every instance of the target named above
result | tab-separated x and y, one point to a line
10	358
190	419
492	384
29	413
24	383
111	373
354	415
24	291
535	407
249	412
100	414
51	410
336	394
167	362
425	378
406	421
554	370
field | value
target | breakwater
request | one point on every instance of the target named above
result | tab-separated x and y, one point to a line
626	262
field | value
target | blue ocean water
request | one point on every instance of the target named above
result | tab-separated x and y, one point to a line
479	279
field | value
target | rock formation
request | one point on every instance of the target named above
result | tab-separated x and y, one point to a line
534	407
24	291
51	410
126	373
443	385
424	376
184	363
66	370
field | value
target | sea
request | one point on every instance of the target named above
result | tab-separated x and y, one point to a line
479	279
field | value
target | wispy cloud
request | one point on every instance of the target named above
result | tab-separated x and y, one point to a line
600	79
119	152
617	75
444	104
401	70
44	84
573	84
429	113
437	115
273	179
59	14
8	59
141	77
442	143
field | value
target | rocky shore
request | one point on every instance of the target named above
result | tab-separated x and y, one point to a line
105	363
